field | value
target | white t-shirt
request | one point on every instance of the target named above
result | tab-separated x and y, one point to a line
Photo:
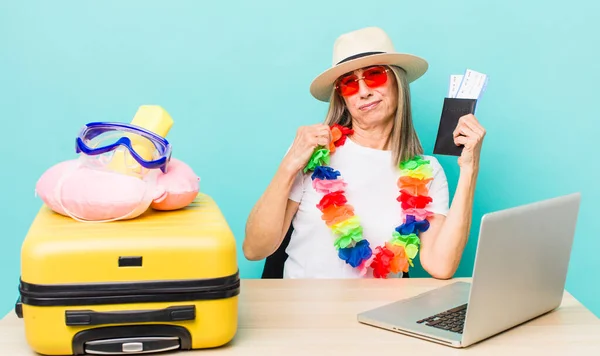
372	191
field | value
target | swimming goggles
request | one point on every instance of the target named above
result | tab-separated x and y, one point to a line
147	148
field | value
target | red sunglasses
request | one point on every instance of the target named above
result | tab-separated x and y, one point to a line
373	77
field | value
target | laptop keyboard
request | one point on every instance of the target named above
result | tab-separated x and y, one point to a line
451	319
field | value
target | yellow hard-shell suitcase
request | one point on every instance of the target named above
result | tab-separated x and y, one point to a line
166	280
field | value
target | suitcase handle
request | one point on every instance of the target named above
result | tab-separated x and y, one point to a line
90	317
114	338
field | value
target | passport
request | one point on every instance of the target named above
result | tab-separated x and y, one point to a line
452	110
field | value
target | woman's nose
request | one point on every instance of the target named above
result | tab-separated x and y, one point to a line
363	89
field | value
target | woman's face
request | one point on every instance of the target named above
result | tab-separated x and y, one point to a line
370	94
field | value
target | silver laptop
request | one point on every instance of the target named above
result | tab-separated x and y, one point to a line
519	273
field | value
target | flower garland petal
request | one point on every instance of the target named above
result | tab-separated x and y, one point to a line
335	215
356	255
412	225
324	173
345	226
410	201
409	242
336	134
415	186
348	238
325	186
416	167
319	157
336	198
345	131
381	264
419	214
366	264
400	261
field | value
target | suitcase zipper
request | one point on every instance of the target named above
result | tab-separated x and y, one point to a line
129	292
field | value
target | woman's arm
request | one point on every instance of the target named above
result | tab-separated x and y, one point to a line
442	245
270	218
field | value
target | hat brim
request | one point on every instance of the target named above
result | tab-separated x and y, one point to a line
322	85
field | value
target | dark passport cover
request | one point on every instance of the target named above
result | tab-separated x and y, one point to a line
452	110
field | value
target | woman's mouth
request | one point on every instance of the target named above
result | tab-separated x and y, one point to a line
369	106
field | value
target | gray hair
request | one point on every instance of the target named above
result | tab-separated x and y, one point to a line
403	139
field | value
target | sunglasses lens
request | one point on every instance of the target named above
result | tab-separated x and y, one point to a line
375	77
348	85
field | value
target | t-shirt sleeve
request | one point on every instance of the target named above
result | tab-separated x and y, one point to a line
438	189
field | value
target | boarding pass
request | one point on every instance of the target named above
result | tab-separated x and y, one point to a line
469	85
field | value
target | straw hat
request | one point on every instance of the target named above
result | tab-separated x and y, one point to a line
362	48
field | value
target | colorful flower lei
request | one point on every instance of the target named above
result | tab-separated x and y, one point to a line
397	253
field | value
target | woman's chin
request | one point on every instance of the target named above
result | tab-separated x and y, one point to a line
374	119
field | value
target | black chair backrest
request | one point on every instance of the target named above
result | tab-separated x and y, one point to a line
274	263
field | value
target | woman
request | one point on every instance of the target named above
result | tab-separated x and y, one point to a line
362	198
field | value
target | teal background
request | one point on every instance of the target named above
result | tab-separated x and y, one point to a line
235	76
